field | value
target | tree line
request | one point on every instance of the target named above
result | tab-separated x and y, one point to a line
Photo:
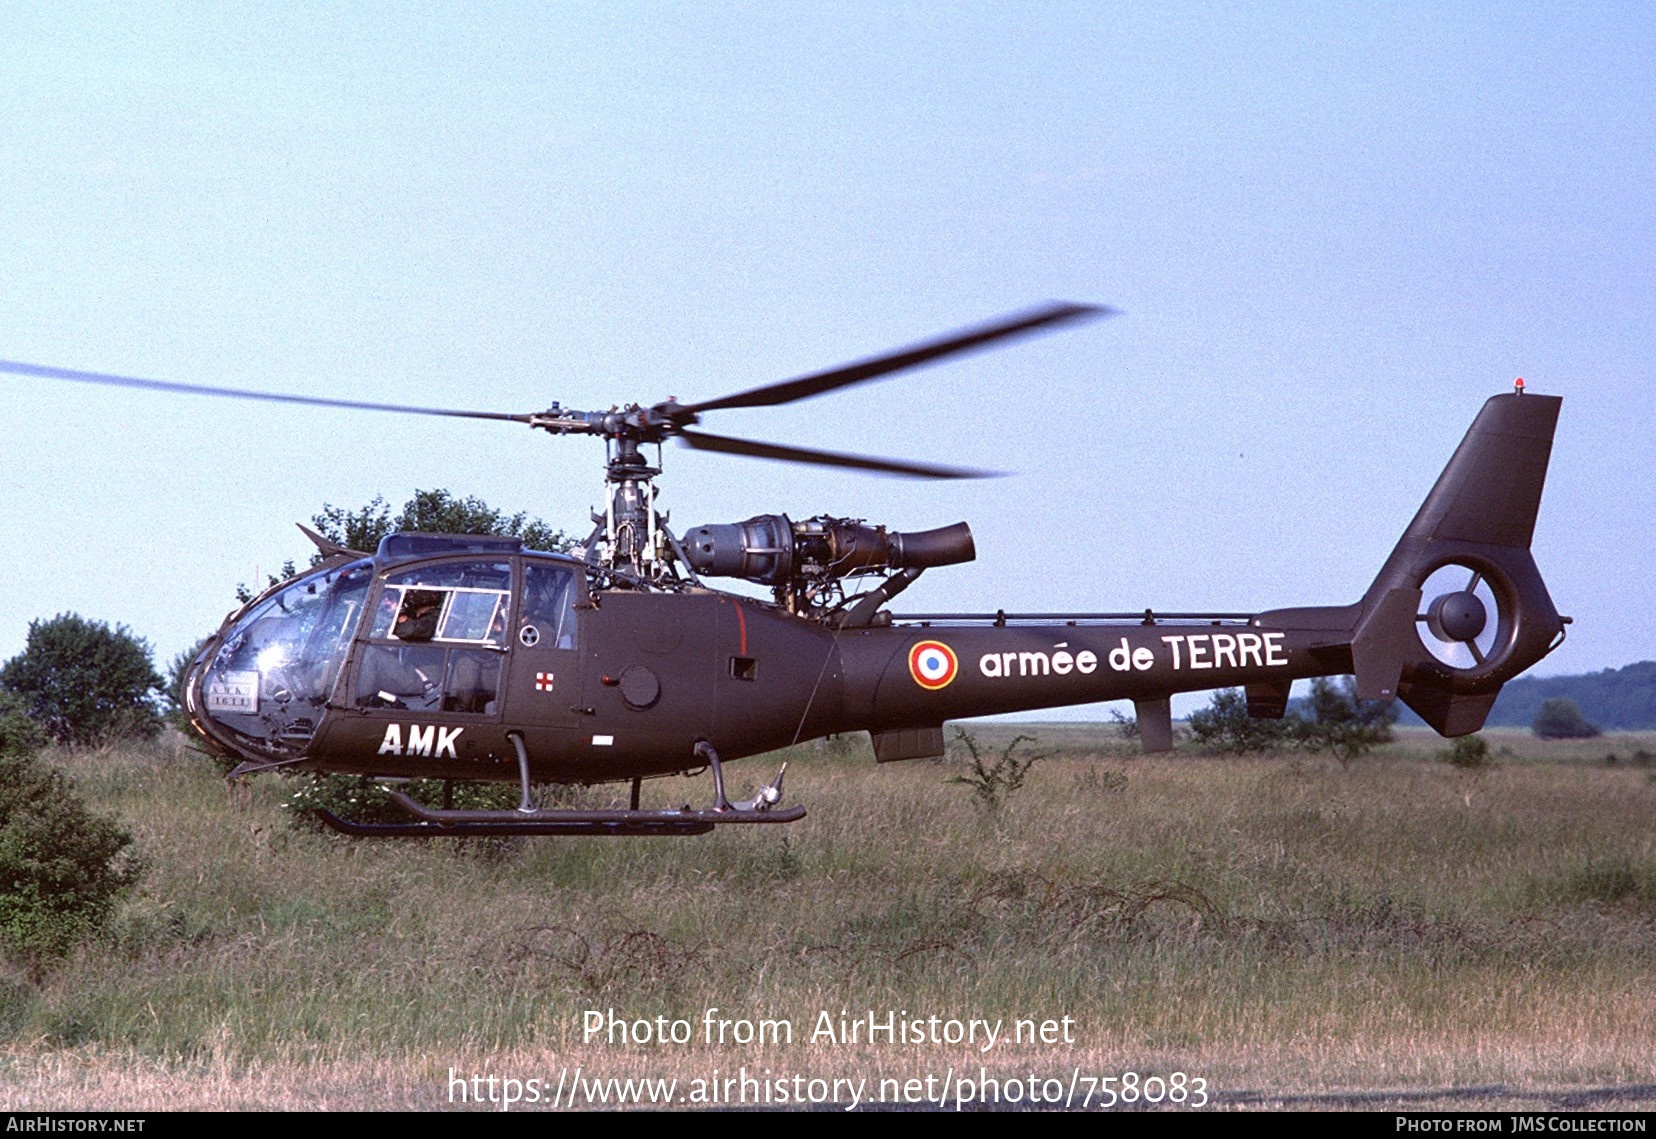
1613	700
1616	699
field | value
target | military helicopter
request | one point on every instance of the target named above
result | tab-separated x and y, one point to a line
460	657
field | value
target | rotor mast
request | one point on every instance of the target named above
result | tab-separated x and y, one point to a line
631	538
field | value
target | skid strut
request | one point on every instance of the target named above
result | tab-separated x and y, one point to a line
705	753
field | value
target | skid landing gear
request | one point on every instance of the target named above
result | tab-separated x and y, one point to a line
445	822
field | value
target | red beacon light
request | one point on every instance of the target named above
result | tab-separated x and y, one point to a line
1518	385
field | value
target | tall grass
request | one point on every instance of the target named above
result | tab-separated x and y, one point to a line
1275	922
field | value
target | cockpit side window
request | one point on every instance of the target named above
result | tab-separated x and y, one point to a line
439	635
462	602
547	619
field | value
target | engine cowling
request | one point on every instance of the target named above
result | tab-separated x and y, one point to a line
770	549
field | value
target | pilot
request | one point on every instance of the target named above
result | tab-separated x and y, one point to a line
547	601
474	678
387	615
418	619
386	679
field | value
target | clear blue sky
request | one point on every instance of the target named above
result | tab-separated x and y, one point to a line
1333	230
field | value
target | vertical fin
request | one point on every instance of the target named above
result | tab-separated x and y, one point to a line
1385	641
1447	713
1480	515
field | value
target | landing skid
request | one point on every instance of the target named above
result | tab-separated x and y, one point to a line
570	822
652	823
437	823
445	822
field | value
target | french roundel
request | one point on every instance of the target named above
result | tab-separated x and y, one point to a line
932	664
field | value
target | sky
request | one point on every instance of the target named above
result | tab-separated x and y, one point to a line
1332	232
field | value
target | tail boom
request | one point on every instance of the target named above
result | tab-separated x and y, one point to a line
1479	516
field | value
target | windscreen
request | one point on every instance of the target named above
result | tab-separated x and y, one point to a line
275	669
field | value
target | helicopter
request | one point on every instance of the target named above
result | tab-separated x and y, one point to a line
469	657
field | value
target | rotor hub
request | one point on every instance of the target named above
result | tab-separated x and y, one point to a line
1458	616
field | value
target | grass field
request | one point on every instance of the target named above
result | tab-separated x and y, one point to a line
1277	924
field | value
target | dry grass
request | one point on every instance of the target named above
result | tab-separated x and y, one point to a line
1277	923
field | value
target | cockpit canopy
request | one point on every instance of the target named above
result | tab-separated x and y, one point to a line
432	619
270	674
411	544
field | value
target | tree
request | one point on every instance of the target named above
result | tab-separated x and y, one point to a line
1560	719
432	512
1343	724
62	868
83	682
1332	719
244	594
1225	726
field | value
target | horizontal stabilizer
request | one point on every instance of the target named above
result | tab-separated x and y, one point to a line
1268	699
912	743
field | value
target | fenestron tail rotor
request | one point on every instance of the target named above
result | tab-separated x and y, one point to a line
1462	622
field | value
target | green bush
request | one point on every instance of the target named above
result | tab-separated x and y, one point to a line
85	683
1333	719
991	783
62	868
361	799
1225	726
432	512
19	735
1561	719
1343	724
1468	752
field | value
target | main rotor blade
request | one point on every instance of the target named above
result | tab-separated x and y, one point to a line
723	443
968	340
40	372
